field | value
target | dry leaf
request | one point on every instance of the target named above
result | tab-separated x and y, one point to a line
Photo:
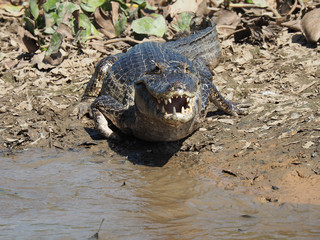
65	31
27	41
308	145
104	20
115	11
225	17
38	61
183	6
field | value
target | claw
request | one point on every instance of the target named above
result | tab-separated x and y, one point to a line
82	109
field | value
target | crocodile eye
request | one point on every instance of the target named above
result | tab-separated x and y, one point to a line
157	70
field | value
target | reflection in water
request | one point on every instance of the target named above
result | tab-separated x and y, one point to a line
50	195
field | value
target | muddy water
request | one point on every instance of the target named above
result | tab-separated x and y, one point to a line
52	195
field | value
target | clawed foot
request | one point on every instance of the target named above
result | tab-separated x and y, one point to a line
103	127
82	109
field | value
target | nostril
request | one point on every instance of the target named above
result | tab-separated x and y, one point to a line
177	87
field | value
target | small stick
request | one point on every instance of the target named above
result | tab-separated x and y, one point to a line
306	87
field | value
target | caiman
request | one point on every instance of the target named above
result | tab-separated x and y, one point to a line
157	91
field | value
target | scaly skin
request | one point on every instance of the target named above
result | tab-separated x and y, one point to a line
157	92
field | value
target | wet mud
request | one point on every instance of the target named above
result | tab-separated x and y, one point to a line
79	194
273	153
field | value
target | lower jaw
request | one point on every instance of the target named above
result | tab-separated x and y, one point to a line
174	121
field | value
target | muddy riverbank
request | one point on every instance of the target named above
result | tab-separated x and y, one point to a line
273	153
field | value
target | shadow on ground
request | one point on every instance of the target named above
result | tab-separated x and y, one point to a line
140	152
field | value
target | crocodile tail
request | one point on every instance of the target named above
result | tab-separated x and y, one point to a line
203	46
94	85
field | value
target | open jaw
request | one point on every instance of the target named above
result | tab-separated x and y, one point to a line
177	106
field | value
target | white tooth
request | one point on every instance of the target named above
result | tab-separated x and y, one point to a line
177	96
174	111
162	109
188	99
169	100
165	101
182	109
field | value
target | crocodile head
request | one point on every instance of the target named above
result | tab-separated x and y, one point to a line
169	91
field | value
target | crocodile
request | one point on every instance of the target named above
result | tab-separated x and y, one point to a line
157	91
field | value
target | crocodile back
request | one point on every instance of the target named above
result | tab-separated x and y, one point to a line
202	48
135	64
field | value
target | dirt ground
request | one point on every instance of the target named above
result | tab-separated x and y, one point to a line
272	153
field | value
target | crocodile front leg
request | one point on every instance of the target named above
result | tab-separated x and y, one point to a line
214	96
94	85
106	107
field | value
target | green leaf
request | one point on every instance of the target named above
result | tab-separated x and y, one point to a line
153	25
88	28
65	8
260	3
56	41
30	24
50	5
120	24
34	8
11	8
50	19
148	6
184	23
91	5
140	3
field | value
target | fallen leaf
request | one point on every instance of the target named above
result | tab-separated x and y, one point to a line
38	60
12	10
183	6
153	25
228	121
226	17
104	20
27	41
308	145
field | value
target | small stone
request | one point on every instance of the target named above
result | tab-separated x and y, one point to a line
295	116
308	145
3	109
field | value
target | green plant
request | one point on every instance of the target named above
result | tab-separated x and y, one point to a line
43	20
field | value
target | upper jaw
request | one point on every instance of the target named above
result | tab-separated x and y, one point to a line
174	107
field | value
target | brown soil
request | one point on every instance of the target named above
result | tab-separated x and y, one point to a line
272	153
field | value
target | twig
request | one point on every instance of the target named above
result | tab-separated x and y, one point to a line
275	11
126	39
244	5
306	87
293	8
249	5
226	27
236	31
